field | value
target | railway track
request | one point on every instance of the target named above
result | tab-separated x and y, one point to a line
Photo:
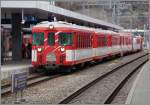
8	83
33	79
109	98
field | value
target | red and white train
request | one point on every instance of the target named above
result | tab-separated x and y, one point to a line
65	44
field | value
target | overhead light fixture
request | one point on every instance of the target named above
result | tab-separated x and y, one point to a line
23	21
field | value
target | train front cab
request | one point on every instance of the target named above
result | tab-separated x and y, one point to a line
50	47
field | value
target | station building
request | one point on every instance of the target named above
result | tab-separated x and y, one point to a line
18	17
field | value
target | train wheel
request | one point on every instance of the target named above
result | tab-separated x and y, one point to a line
52	71
80	66
39	69
73	68
68	70
64	70
98	61
49	71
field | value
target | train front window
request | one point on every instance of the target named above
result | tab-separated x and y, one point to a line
38	38
51	38
65	38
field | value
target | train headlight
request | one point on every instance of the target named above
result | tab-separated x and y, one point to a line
51	26
62	49
39	49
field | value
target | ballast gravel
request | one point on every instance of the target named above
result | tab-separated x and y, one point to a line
55	90
101	90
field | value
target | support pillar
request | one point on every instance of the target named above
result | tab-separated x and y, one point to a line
16	37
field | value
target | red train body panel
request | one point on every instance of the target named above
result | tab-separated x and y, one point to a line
65	44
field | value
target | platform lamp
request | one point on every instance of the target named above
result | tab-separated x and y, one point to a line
22	14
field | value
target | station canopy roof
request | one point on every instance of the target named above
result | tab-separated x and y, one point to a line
47	7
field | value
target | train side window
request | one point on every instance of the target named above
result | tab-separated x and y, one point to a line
100	42
105	41
65	38
79	41
38	38
128	41
122	41
76	41
91	40
117	41
85	40
82	40
88	41
113	41
83	37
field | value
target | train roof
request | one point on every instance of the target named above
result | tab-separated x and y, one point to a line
63	24
60	24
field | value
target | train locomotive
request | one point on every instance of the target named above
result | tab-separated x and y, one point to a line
66	45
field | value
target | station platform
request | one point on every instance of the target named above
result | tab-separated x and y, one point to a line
140	91
13	67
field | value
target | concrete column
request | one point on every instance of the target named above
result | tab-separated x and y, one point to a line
16	37
149	31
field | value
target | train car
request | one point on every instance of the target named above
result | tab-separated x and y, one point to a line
102	44
65	45
137	43
126	42
60	44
